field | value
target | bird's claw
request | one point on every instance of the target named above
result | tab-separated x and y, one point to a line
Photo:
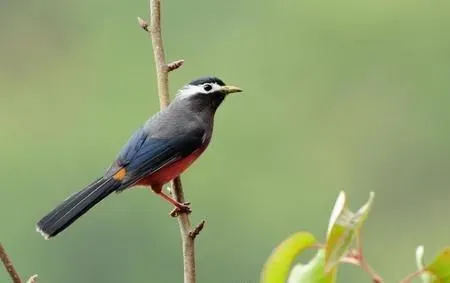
181	208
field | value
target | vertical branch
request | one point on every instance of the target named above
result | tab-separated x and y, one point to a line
188	234
162	73
9	266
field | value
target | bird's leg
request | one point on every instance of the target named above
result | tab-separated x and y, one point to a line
179	207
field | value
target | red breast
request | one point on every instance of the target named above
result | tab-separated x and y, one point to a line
171	171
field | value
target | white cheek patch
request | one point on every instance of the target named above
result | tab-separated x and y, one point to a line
191	90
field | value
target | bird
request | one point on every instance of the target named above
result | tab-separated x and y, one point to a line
159	151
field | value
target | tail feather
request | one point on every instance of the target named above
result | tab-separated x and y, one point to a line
75	206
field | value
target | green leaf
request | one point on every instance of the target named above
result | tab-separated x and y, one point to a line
440	267
277	266
343	226
313	272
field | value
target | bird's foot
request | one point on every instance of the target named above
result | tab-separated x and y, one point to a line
181	208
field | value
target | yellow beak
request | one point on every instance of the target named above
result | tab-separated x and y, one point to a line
230	89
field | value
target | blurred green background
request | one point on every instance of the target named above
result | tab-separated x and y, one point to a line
347	95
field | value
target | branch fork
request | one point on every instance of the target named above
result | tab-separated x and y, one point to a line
174	65
356	257
143	24
194	232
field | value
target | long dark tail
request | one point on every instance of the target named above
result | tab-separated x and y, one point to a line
75	206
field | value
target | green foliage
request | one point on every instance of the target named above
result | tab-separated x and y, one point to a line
440	267
436	272
344	227
313	271
278	265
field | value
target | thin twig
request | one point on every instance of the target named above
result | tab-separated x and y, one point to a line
355	259
174	65
9	266
143	24
194	233
162	70
363	263
411	276
350	260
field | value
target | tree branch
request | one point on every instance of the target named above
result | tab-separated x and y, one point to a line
185	230
15	278
162	70
9	266
158	53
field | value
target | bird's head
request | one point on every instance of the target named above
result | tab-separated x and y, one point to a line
206	92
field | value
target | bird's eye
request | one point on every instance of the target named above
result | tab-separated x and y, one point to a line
207	87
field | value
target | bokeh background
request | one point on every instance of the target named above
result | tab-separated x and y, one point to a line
349	95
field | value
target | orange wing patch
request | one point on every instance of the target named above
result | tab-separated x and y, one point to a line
120	175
